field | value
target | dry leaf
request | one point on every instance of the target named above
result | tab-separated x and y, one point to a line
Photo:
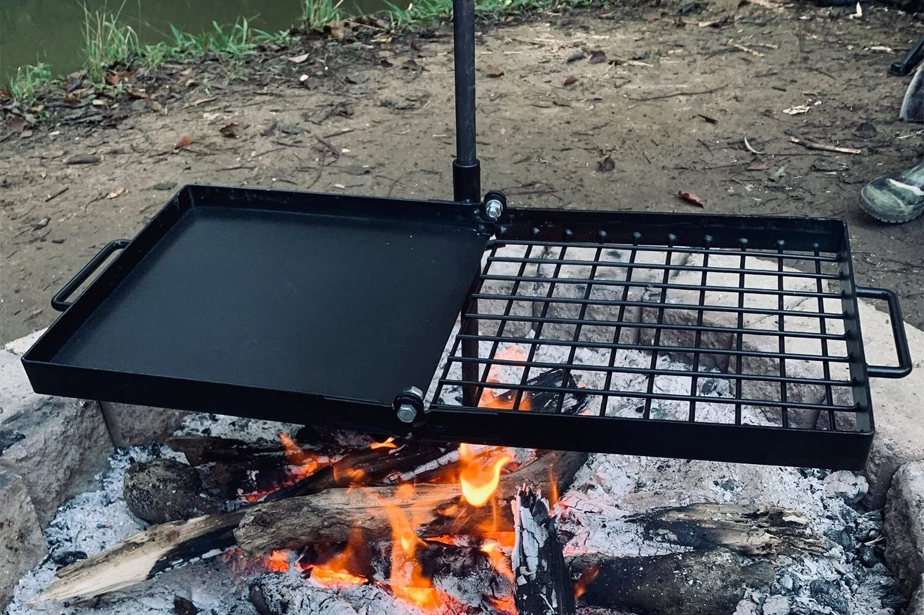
298	59
96	102
184	141
230	131
757	166
493	71
115	79
153	105
202	101
597	57
16	124
797	110
691	198
115	193
571	80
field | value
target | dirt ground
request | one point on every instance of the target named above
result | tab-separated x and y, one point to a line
667	111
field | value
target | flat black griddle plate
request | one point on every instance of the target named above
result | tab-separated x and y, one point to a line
333	297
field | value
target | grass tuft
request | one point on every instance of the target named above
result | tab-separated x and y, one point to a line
106	42
318	13
24	85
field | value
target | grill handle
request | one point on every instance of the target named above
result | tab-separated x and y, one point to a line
898	333
59	301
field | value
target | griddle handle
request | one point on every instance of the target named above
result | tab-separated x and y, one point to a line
59	301
898	333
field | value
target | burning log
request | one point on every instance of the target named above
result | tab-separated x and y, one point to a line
541	577
328	516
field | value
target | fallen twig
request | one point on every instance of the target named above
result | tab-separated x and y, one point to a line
57	194
825	147
740	47
682	93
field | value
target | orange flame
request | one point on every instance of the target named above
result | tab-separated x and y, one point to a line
480	474
492	549
588	576
407	580
505	605
336	571
301	464
389	443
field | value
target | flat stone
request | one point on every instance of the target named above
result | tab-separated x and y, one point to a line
56	445
904	526
131	425
22	545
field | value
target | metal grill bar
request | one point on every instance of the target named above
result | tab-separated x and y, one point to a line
656	332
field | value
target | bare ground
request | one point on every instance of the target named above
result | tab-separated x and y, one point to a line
670	114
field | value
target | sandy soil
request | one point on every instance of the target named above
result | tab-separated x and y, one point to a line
670	114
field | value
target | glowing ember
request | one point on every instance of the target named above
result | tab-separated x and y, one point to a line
588	576
389	443
504	605
407	581
277	561
480	473
336	571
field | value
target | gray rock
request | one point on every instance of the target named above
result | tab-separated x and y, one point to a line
21	542
166	490
916	607
847	485
56	445
135	425
904	526
776	605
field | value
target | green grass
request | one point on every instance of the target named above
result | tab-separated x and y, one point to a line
106	42
318	13
27	81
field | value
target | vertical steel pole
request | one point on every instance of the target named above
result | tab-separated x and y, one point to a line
466	170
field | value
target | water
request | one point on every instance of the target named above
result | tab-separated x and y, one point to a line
50	30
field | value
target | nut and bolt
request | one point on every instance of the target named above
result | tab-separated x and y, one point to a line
493	209
407	413
408	403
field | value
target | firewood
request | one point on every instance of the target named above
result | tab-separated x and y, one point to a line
693	583
746	529
144	556
200	450
328	516
542	581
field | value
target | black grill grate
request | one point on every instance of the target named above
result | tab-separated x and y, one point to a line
655	331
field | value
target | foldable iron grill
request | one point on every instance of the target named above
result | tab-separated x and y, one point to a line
694	336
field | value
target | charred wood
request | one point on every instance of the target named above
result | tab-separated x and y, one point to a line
748	530
541	578
692	583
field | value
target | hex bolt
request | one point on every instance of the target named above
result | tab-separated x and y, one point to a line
407	413
408	404
493	209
